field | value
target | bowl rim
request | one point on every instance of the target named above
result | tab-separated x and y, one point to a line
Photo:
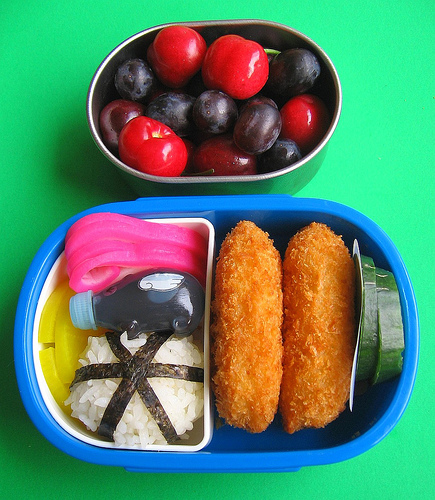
201	179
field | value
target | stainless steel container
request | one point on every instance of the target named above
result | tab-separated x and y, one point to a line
269	34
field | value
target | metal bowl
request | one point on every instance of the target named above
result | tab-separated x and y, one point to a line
269	34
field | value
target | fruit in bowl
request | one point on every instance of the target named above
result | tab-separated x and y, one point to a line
231	98
197	113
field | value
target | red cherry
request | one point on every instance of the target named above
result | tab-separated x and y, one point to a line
176	55
224	157
236	66
190	148
305	121
152	147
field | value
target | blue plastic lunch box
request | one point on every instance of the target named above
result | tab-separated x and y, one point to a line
375	412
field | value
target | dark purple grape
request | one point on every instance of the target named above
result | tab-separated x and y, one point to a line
282	154
214	112
257	128
174	109
135	80
114	116
258	99
292	72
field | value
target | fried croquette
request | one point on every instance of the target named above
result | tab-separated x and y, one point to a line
318	328
246	328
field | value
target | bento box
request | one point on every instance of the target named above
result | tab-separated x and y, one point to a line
215	447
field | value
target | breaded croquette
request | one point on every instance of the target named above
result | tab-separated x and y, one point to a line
246	328
318	328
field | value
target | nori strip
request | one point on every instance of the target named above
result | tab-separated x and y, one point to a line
137	371
152	402
116	407
182	372
98	372
134	370
117	347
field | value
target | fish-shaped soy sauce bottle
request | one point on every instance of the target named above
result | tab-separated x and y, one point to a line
151	301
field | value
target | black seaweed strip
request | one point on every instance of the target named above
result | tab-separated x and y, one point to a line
141	361
181	372
118	348
98	372
116	407
157	411
147	352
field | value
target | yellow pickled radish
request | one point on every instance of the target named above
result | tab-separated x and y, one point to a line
58	389
49	313
69	343
60	360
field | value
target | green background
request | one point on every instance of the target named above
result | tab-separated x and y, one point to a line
380	161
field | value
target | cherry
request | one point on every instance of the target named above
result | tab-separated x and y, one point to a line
221	155
151	147
305	120
190	148
176	55
236	66
114	116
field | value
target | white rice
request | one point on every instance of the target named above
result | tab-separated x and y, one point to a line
182	400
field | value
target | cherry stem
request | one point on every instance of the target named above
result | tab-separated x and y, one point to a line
272	52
